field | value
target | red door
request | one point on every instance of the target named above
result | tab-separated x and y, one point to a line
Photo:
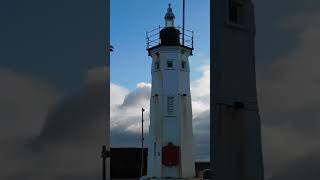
170	155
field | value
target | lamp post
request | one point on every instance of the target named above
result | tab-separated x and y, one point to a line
104	154
142	138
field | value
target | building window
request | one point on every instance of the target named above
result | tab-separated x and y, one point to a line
236	11
183	64
170	105
170	64
157	65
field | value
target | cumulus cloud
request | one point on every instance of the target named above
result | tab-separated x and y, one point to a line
126	116
118	94
200	91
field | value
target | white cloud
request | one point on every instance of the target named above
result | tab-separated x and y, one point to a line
128	117
117	94
144	85
200	91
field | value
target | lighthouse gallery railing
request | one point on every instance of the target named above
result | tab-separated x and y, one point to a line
153	37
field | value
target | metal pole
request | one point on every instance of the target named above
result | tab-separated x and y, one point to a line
183	18
159	41
192	40
147	38
142	138
104	157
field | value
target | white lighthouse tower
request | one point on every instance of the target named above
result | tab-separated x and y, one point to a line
170	133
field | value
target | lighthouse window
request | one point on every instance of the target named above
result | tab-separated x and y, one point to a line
170	105
183	64
170	64
155	98
157	65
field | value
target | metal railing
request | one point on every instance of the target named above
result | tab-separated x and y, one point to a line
153	37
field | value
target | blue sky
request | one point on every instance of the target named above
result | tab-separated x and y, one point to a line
129	22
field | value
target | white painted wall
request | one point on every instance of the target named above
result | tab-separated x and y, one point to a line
176	127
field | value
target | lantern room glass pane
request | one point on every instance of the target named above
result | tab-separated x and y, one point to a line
169	23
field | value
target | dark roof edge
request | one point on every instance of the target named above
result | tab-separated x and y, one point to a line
149	49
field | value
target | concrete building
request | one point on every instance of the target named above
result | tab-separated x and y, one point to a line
236	151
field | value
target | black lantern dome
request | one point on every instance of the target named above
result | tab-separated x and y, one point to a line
169	35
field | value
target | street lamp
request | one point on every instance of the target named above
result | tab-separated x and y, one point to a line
142	138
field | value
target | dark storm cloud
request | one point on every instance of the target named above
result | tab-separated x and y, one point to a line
289	105
306	167
201	121
23	103
74	132
273	40
65	143
45	37
76	116
120	138
50	45
202	136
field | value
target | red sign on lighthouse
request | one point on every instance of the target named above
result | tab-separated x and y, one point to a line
170	155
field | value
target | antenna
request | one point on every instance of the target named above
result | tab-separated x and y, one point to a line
183	18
